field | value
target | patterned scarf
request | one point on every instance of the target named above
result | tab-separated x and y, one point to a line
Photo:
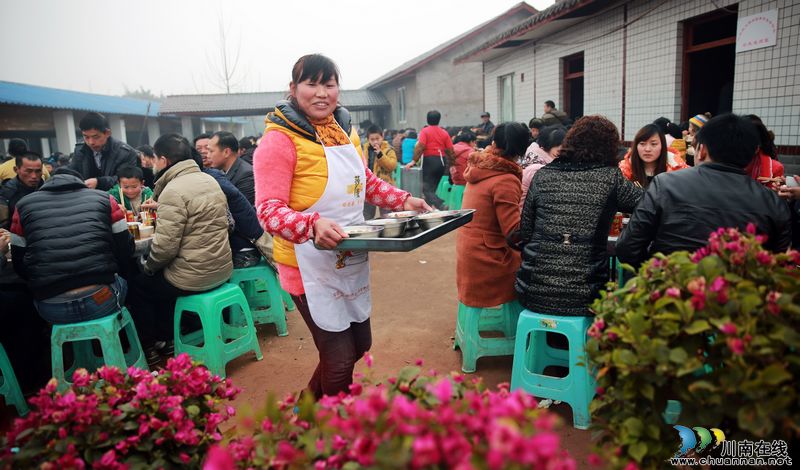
329	133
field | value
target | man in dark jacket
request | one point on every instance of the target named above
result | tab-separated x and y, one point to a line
69	242
681	209
28	167
223	151
553	116
99	158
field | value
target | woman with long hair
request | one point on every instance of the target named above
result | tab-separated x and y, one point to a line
649	156
765	168
311	181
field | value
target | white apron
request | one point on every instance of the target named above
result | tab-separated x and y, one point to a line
337	282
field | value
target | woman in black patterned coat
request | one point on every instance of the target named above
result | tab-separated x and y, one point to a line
566	219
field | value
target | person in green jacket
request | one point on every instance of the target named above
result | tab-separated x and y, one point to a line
131	191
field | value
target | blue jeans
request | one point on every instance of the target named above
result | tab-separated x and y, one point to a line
103	302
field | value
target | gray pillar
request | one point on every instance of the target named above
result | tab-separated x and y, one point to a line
118	130
202	126
218	126
153	130
45	147
65	131
186	127
239	130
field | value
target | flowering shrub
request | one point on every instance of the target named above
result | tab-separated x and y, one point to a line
716	330
414	420
108	420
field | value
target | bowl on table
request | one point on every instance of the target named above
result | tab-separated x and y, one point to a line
392	228
146	231
363	231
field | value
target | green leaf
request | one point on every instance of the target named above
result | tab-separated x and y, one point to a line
678	355
193	410
638	451
775	374
634	426
648	391
697	326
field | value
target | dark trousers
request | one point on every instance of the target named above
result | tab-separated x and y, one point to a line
432	172
151	301
25	336
338	353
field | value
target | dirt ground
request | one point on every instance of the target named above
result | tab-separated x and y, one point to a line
414	306
413	317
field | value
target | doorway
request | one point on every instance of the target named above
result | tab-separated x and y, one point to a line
573	85
708	63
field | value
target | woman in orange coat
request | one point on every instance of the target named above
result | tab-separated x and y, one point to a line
649	156
486	266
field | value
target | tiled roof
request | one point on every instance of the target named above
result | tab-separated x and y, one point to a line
559	8
247	104
416	62
56	98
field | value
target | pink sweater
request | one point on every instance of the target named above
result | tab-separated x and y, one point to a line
274	162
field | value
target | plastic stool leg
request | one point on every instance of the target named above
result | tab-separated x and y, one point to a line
9	387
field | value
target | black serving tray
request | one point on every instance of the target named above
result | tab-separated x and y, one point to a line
412	239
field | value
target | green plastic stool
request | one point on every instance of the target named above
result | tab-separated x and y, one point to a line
443	189
398	173
264	295
9	387
472	320
532	355
455	196
106	330
216	342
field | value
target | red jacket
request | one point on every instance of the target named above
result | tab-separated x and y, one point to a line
462	151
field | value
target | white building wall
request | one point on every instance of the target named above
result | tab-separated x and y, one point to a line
765	80
598	38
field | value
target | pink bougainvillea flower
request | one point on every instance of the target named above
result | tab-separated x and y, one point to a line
736	345
442	390
698	300
631	466
655	295
729	329
612	336
355	389
697	284
751	228
764	258
600	390
594	460
368	359
673	292
218	458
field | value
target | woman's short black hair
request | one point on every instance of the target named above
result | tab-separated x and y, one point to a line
314	67
434	117
173	147
551	136
511	138
592	139
466	136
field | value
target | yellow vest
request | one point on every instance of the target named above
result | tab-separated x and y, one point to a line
309	180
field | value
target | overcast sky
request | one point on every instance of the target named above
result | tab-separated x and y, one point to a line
173	46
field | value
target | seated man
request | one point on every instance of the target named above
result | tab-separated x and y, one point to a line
681	209
16	148
28	167
485	130
190	251
69	243
223	151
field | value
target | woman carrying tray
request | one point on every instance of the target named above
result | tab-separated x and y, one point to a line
312	180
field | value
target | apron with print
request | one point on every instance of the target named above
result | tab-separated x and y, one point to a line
337	282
